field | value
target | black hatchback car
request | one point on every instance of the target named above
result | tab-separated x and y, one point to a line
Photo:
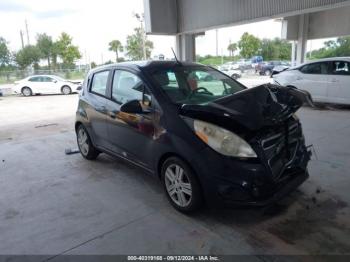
208	139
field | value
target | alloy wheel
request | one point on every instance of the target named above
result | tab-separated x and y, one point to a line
26	91
178	185
83	142
66	90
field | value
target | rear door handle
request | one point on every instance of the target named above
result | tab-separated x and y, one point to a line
299	78
334	80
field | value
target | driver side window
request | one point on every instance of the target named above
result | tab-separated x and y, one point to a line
128	86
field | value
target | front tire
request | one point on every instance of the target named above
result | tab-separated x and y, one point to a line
66	90
86	148
26	91
181	185
268	72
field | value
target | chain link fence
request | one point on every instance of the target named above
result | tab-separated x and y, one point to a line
9	77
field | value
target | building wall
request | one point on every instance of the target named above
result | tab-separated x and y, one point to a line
161	16
324	24
187	16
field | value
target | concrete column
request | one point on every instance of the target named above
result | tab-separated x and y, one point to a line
302	38
293	56
186	47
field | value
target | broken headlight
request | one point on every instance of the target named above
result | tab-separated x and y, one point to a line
223	141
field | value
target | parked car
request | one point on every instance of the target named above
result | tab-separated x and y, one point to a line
327	80
234	73
207	141
256	60
45	84
245	64
268	67
229	66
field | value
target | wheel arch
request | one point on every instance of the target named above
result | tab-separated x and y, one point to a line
77	124
168	155
26	87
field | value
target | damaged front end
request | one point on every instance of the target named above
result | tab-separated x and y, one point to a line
265	117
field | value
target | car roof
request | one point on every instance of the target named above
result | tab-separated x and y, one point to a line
345	58
42	76
149	64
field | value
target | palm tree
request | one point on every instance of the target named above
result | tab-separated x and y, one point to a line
232	48
116	46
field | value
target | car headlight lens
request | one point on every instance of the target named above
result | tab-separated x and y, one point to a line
223	141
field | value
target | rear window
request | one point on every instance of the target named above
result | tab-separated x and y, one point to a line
340	68
195	85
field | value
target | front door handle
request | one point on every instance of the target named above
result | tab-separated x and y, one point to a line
113	114
334	80
101	109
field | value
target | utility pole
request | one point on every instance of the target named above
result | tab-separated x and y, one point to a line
310	53
141	19
28	42
217	42
21	33
85	56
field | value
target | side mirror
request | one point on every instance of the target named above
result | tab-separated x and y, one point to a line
132	107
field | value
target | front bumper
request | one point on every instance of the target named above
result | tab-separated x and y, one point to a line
280	191
233	182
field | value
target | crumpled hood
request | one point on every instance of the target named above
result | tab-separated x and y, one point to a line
254	108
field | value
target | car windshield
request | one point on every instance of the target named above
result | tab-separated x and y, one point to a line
195	85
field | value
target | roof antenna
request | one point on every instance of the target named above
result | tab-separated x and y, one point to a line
177	60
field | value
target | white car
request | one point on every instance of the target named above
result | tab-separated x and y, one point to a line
45	84
234	73
327	80
229	66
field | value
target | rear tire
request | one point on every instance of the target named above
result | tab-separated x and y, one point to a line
26	91
235	76
86	148
66	90
181	185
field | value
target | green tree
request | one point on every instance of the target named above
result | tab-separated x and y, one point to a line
54	55
29	55
45	45
342	46
5	55
249	45
93	65
276	49
232	48
333	48
66	50
116	46
134	45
